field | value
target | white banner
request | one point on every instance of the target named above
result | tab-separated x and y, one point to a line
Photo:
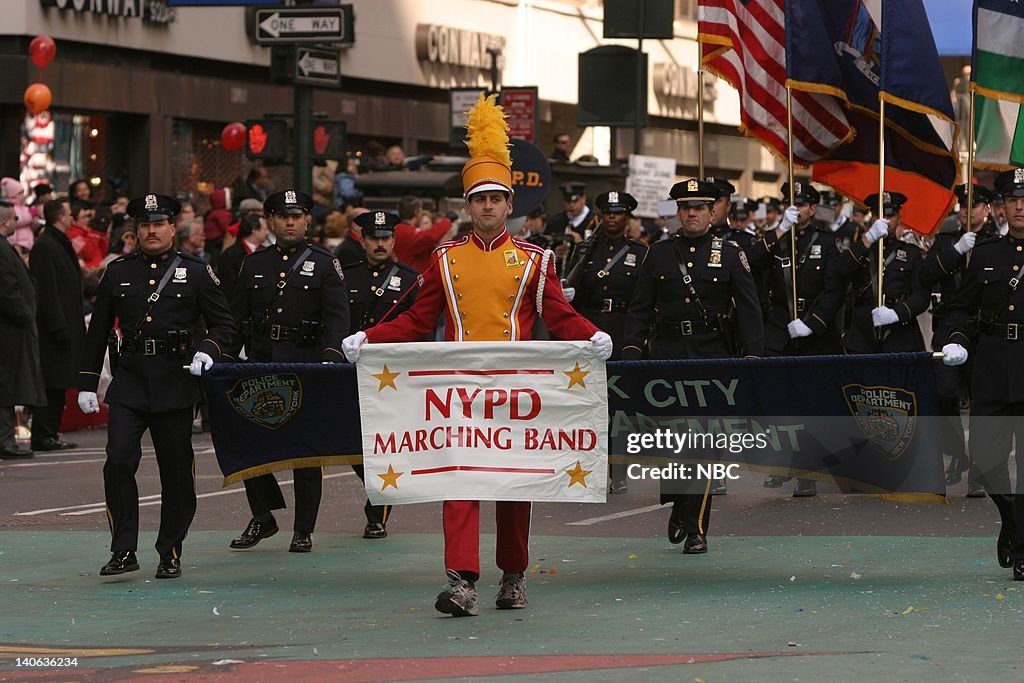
650	179
483	421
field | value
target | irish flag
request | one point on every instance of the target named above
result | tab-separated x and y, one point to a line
998	75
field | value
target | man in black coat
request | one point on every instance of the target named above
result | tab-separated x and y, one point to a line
169	308
21	379
291	305
61	322
377	288
252	232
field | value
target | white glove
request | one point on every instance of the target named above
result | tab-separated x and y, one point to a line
883	315
351	344
201	361
966	243
879	229
798	329
790	217
954	354
88	402
602	345
570	293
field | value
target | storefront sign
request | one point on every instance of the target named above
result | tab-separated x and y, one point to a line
150	11
673	82
456	47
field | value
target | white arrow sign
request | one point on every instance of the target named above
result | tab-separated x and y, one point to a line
310	65
278	26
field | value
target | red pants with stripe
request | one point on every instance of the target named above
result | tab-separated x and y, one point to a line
462	536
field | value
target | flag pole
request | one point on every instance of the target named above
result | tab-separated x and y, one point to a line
881	201
700	109
792	194
970	157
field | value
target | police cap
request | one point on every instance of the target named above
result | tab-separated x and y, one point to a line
1011	183
695	192
288	202
981	194
377	223
892	202
150	208
743	208
610	202
803	193
771	203
572	190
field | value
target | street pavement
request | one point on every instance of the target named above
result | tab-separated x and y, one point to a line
837	587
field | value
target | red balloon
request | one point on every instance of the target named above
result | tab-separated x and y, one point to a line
42	50
233	136
37	98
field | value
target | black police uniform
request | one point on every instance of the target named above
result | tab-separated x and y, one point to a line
942	272
560	223
674	322
291	304
377	293
606	274
168	306
902	291
991	290
720	225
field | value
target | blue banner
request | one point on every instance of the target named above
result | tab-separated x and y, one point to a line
857	420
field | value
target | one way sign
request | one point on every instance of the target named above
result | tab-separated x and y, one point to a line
318	66
276	25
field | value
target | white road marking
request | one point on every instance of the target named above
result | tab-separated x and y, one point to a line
94	508
615	515
57	462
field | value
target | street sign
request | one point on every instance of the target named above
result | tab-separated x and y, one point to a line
272	25
520	105
318	66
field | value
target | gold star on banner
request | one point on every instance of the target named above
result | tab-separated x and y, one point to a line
577	475
390	478
576	376
386	378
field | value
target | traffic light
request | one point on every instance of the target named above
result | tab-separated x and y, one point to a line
330	140
266	139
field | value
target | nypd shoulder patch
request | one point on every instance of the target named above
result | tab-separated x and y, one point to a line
213	276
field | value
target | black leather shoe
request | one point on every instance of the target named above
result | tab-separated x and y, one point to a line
301	543
955	471
775	481
975	491
121	561
1018	570
53	444
375	530
805	488
255	532
696	544
16	453
169	568
676	532
1003	544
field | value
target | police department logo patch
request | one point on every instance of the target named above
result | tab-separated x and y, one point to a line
289	197
692	186
151	204
268	400
180	273
308	266
613	197
1018	175
379	218
886	415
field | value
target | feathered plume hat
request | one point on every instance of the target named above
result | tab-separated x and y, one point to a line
490	165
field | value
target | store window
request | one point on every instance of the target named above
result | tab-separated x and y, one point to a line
58	148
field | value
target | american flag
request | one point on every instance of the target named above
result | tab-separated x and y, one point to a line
744	42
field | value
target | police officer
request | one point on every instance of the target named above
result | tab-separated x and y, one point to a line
604	278
720	209
991	290
893	326
292	306
942	272
688	288
819	290
169	308
578	217
743	231
772	213
377	288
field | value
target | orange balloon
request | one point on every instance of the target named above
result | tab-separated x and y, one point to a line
37	98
